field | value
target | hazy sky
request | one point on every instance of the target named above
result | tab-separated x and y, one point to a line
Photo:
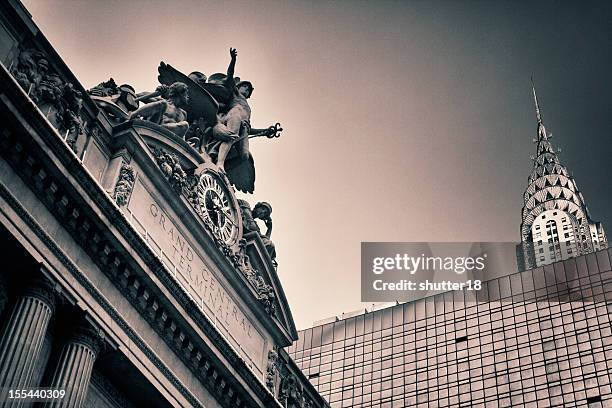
404	121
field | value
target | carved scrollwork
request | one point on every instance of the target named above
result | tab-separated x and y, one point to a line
125	185
238	257
171	168
265	292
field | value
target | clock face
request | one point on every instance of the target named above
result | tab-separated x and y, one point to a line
217	207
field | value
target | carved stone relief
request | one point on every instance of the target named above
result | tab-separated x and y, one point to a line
58	100
125	185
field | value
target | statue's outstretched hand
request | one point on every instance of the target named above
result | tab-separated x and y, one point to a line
233	53
274	131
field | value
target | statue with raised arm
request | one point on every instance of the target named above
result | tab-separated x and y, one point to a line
232	127
166	111
219	115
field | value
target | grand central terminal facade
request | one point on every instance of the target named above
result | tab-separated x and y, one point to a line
132	275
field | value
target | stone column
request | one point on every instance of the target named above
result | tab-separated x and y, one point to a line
73	371
3	293
24	335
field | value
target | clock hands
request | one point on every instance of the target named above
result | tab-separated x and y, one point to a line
214	203
218	206
228	216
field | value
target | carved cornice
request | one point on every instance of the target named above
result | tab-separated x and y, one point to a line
97	296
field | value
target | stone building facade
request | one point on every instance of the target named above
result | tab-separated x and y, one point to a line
537	338
128	279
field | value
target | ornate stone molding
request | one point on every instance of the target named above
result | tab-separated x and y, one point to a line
272	371
171	168
238	258
291	393
265	292
125	185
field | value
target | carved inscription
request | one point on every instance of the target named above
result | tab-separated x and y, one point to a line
194	275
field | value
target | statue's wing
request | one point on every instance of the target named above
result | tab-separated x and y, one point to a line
168	75
201	103
219	92
241	173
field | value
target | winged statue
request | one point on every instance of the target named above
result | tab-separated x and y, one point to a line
219	120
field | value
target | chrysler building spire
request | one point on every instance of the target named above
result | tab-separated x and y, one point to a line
542	135
556	223
535	100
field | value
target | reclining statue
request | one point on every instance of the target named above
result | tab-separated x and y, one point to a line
166	111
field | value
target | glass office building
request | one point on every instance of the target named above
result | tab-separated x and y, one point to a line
538	338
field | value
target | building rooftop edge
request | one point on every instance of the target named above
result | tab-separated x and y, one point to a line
378	306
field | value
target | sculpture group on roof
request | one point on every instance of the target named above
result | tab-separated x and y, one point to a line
60	101
212	114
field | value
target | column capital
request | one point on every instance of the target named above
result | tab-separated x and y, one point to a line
42	288
84	333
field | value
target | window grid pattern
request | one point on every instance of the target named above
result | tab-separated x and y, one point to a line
538	338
